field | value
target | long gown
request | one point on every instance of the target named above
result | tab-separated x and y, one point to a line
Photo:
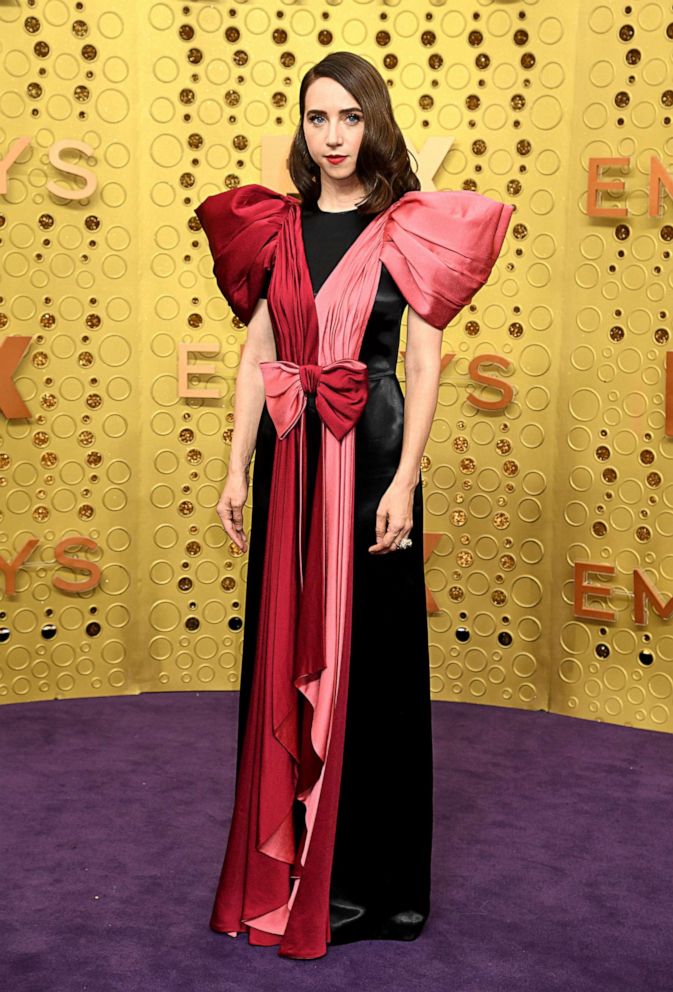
333	793
380	883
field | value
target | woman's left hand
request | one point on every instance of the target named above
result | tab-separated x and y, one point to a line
393	518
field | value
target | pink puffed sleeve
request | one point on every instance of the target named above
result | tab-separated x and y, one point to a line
242	226
440	248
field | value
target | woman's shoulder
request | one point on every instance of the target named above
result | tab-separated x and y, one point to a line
249	203
461	220
250	193
441	246
242	226
447	202
239	222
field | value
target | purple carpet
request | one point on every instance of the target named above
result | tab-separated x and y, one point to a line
552	856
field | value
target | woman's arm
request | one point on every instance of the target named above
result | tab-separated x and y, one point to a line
260	346
422	367
422	364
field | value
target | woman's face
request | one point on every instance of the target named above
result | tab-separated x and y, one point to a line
333	126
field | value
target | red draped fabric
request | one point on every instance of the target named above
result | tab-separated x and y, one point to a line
439	248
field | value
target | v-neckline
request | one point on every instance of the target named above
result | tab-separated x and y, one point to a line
346	254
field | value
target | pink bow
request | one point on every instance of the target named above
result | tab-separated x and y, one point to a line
341	389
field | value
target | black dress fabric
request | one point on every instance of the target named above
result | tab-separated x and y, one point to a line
380	881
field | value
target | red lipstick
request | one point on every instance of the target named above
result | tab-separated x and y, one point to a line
335	159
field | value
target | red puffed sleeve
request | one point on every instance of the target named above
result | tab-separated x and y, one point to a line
242	226
440	247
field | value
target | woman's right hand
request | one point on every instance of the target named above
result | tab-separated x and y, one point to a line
230	507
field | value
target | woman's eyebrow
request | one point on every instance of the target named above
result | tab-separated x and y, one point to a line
347	110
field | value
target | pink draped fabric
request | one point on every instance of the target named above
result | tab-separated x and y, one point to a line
440	248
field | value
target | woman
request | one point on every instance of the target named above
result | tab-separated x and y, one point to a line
330	838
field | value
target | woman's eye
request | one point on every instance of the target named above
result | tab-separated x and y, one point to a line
319	117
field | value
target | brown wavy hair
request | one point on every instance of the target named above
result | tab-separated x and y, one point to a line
383	164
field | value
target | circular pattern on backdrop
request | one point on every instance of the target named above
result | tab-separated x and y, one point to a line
117	448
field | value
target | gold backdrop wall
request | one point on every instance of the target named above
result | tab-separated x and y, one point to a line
164	103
